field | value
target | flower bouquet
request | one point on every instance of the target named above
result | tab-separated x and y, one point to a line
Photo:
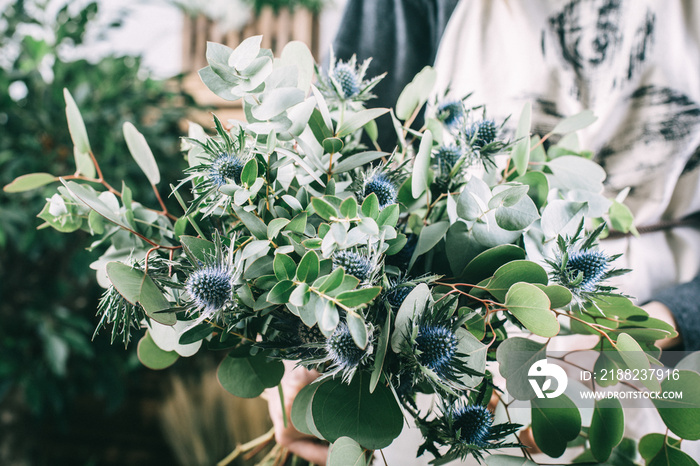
443	266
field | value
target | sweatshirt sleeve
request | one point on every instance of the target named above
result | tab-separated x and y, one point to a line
401	37
684	302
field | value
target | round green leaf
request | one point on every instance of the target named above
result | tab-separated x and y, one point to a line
555	422
248	377
558	295
530	306
485	264
373	420
607	427
347	452
515	356
682	415
301	410
514	272
153	357
332	145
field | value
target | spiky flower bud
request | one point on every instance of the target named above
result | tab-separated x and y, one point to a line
397	294
450	112
447	156
591	263
354	263
342	348
210	287
308	335
346	76
384	189
473	423
437	346
224	168
483	133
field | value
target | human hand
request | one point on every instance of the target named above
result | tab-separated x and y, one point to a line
305	446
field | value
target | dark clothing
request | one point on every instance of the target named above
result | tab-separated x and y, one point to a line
401	37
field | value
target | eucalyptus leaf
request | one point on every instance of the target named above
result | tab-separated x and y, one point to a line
138	147
248	377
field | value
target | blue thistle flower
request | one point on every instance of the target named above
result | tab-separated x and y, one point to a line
447	156
592	264
210	287
482	133
403	257
582	268
383	187
342	349
450	112
354	263
346	76
396	295
226	167
437	346
472	424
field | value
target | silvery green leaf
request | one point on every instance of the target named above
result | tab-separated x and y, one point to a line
416	93
277	124
357	160
489	234
254	75
575	122
217	57
507	195
298	54
562	217
276	101
255	249
281	77
357	120
421	166
299	114
78	133
472	202
141	152
598	204
521	150
411	308
573	172
517	217
217	85
243	55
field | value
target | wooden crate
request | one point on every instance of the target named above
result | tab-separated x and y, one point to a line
277	28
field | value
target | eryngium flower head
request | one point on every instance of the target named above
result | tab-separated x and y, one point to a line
385	189
342	348
354	263
581	267
450	112
467	429
210	287
447	156
226	168
472	424
347	77
396	295
345	81
482	133
344	354
436	347
592	264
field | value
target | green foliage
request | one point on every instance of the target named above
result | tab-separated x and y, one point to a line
299	244
46	343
